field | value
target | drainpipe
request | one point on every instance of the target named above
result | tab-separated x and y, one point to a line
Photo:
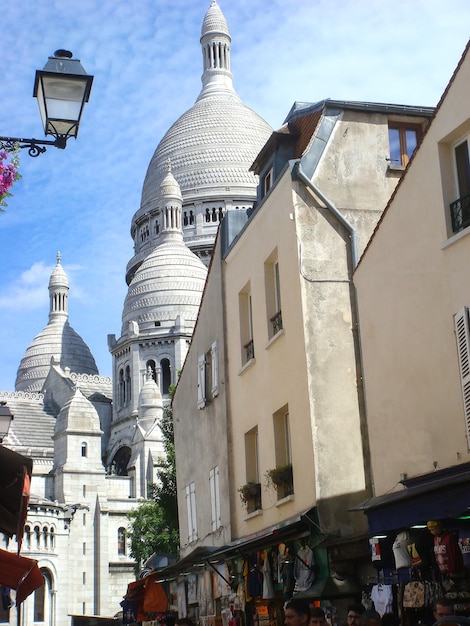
299	174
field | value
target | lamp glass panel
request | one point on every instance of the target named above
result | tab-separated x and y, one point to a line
61	88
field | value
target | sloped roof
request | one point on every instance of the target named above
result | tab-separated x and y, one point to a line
33	423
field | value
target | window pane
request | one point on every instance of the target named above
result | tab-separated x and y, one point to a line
411	137
394	140
463	168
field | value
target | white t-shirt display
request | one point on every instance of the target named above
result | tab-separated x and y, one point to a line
400	550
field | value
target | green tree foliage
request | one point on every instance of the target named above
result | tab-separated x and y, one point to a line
154	524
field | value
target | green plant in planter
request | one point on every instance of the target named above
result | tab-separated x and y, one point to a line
279	476
249	491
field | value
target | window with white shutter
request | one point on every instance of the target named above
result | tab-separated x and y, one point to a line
215	498
215	369
462	333
191	508
201	381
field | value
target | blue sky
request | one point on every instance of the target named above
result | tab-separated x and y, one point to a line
146	60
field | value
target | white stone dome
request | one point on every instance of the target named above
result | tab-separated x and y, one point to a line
211	148
58	340
167	286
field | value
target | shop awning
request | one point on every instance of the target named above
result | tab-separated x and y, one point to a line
293	528
440	495
19	573
15	479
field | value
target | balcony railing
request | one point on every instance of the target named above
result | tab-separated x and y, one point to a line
276	321
460	213
249	350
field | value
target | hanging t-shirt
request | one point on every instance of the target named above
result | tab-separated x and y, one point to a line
268	586
447	553
382	597
464	545
303	569
381	553
400	550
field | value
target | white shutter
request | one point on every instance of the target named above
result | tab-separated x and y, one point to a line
215	498
462	333
218	520
201	381
188	508
192	488
215	369
191	508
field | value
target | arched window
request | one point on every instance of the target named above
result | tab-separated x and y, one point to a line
128	387
208	215
153	367
122	541
166	376
27	533
84	449
120	461
42	599
121	387
191	218
37	534
52	541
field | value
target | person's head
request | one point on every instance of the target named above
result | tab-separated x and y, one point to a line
370	618
297	613
435	528
355	612
317	616
442	608
389	619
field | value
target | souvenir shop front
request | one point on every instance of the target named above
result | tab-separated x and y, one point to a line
420	546
248	582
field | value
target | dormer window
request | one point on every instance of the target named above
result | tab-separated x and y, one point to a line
267	181
403	139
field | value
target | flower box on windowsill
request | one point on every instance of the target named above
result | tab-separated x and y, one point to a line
250	495
282	478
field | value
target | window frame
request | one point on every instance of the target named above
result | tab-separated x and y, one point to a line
402	128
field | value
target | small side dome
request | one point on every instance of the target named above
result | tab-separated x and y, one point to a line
58	277
169	187
150	399
214	21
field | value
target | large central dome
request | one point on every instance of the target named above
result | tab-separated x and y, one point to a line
211	148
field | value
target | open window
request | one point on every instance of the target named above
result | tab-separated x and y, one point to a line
460	208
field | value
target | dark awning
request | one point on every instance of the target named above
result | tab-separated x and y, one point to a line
15	477
20	573
440	495
290	529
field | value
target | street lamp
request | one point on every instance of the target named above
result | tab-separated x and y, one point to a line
62	88
5	419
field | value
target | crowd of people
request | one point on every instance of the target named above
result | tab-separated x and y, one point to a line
298	612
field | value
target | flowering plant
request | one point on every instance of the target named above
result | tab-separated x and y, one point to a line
9	165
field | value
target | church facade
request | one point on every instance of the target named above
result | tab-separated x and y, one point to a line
95	441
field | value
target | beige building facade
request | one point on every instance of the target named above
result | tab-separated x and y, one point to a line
414	294
288	354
